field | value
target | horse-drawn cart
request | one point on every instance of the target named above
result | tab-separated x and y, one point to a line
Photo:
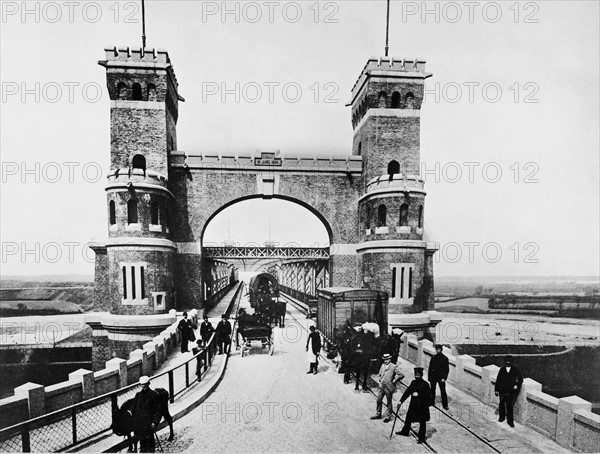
254	328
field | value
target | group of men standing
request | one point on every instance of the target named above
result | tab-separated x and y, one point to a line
422	394
223	333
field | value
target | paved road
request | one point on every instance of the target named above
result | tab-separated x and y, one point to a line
269	404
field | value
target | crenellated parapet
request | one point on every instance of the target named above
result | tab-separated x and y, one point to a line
267	162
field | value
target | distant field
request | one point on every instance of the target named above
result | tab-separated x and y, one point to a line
37	294
17	308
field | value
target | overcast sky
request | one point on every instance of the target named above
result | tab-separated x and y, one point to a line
515	89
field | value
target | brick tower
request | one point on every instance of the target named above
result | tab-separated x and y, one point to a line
395	255
134	267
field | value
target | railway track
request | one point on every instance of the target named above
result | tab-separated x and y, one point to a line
483	443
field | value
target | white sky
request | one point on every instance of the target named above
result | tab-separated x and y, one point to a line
555	219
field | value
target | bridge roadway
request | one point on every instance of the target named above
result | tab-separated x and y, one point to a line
269	404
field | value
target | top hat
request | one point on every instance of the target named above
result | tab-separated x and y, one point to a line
440	346
508	358
419	370
386	356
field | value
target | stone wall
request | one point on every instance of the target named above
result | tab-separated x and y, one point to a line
31	399
569	420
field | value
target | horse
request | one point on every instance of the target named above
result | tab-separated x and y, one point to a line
357	351
123	422
280	310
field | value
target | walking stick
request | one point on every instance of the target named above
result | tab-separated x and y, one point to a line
395	418
158	441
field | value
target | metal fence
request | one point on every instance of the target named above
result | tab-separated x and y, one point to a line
67	427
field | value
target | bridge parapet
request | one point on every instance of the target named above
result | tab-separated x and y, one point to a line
262	163
409	183
122	177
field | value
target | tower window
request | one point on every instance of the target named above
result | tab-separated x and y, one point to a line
136	92
154	213
121	91
151	92
396	100
421	216
404	214
139	162
393	168
132	211
359	148
134	291
382	100
381	216
112	212
409	101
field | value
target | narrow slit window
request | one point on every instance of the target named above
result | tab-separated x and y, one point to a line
133	282
394	282
402	282
124	282
143	290
410	282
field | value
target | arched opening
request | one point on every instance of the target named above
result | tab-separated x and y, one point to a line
381	216
112	212
132	211
138	162
151	92
396	100
122	91
136	92
409	101
273	223
403	215
382	99
421	216
393	168
155	213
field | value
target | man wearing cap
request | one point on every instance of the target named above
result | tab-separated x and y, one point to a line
438	374
418	409
223	333
146	415
388	375
206	330
508	385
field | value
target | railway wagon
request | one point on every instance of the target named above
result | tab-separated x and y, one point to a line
340	307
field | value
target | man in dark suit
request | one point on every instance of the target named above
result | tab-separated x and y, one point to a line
186	328
146	415
206	330
313	347
438	374
418	409
223	334
508	385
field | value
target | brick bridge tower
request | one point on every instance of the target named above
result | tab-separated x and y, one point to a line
394	252
134	267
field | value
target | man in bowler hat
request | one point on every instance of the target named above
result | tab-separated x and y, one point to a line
508	385
388	375
438	374
418	409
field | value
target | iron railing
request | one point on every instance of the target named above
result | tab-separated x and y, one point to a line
70	426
